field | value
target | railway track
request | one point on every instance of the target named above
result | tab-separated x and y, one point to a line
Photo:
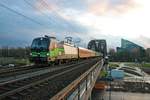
31	73
7	72
46	83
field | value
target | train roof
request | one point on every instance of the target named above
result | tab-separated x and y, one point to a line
86	49
45	37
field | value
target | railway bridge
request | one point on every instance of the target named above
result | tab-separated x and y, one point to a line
81	88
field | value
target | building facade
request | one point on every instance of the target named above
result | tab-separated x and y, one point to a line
128	45
131	50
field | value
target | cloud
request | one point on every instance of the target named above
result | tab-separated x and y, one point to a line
143	41
45	5
76	18
101	7
17	28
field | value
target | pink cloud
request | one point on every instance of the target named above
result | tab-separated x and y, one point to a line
45	5
100	7
144	41
49	6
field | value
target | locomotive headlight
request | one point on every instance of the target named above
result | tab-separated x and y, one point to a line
30	54
47	54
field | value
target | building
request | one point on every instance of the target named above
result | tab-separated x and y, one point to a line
131	50
119	49
128	45
148	52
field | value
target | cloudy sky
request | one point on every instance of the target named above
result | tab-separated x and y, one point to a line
22	20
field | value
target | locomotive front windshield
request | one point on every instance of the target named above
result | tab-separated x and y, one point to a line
40	44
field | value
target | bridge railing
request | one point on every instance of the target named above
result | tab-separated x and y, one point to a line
81	88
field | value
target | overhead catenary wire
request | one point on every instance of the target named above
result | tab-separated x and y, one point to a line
46	6
34	7
43	4
20	14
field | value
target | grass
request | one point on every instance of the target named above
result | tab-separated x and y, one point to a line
114	64
132	64
15	61
127	75
138	65
146	65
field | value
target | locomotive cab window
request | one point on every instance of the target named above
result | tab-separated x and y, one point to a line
40	43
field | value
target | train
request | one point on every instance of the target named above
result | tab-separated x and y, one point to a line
48	50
